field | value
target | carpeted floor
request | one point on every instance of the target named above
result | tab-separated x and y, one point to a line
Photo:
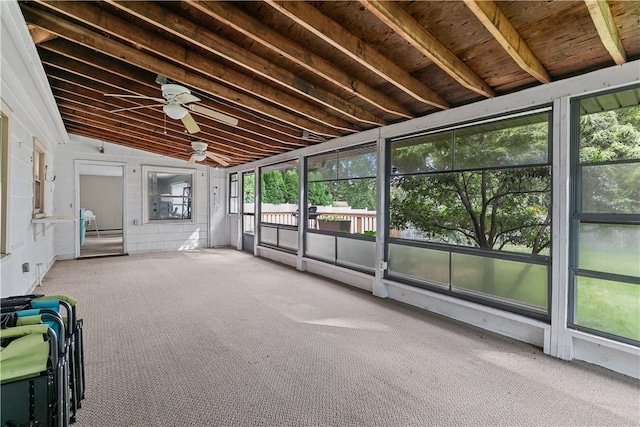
221	338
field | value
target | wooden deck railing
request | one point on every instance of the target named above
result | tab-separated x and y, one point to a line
360	222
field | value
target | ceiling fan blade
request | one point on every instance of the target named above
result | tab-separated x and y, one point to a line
190	123
118	95
213	114
216	158
186	98
135	108
192	159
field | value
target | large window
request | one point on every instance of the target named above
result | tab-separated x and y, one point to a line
39	166
4	177
248	202
279	192
341	199
470	211
168	194
605	262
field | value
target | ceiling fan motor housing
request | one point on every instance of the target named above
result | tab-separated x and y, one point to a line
199	146
170	91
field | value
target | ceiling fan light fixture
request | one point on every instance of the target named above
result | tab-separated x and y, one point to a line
198	157
176	112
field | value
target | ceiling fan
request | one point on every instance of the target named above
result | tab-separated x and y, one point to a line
200	153
176	102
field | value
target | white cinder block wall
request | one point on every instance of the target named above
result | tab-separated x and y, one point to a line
29	105
141	237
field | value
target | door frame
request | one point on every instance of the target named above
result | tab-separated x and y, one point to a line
76	233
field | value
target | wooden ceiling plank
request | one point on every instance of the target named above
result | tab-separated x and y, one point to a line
110	47
118	68
208	40
320	25
497	23
39	35
139	144
401	21
102	21
128	130
217	132
607	29
293	51
67	93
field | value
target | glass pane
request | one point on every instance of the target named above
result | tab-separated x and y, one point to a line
507	209
610	248
279	193
322	167
358	162
425	153
248	226
609	135
505	280
233	205
269	235
358	253
248	193
419	263
613	188
608	306
288	238
520	141
169	196
321	247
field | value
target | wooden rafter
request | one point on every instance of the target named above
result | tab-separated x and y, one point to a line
401	21
496	22
331	32
115	49
293	51
607	30
39	35
218	45
102	63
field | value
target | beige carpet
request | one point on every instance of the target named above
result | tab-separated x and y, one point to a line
221	338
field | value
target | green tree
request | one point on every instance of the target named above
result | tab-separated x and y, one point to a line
318	193
291	186
273	187
248	188
490	209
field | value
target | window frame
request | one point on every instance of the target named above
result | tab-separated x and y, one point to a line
578	217
146	170
533	259
5	152
233	183
39	182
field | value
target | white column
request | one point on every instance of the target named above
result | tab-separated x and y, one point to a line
379	288
302	213
559	342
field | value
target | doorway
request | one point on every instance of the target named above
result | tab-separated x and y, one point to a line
100	199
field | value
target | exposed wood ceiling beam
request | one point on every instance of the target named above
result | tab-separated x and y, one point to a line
111	83
401	21
86	84
39	35
96	61
120	51
496	22
293	51
81	98
331	32
607	29
210	41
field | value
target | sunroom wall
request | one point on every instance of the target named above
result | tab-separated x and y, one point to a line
555	338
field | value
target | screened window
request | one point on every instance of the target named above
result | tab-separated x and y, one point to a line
470	211
233	193
605	271
279	192
168	194
248	202
38	177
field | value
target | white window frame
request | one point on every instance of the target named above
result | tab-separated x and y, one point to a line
146	170
5	152
39	169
